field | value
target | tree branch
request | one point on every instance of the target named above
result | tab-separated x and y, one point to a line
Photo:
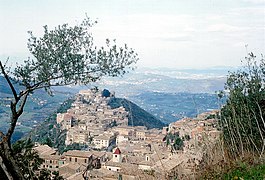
9	82
1	136
39	85
15	117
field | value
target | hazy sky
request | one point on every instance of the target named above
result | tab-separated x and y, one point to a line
165	33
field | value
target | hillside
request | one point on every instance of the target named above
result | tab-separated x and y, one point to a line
137	116
49	131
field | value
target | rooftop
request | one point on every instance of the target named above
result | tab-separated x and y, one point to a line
117	151
45	150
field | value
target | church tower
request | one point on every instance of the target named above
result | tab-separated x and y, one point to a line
117	156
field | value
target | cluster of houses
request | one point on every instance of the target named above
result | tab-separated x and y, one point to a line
124	151
90	118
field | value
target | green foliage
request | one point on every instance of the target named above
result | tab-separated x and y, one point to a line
245	171
235	170
167	142
242	118
178	143
45	174
27	158
175	141
213	116
48	142
56	176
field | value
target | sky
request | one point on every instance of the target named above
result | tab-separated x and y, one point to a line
165	33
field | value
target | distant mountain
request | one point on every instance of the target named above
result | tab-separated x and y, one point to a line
137	116
166	81
170	107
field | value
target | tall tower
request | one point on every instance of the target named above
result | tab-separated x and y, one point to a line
117	156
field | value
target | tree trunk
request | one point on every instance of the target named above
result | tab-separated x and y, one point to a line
2	171
8	163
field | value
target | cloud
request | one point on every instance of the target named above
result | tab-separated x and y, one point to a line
176	28
225	28
255	1
177	38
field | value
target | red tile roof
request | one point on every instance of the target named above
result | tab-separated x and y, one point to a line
117	151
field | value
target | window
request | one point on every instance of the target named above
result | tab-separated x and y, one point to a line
70	159
50	161
115	155
43	166
109	168
57	166
50	166
85	160
75	159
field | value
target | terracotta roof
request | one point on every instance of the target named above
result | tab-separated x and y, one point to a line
78	153
84	154
67	116
102	137
117	151
114	164
45	150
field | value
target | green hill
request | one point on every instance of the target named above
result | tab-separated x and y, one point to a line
137	116
49	132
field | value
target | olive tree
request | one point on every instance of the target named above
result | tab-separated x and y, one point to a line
65	55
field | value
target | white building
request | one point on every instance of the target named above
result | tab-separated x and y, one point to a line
103	141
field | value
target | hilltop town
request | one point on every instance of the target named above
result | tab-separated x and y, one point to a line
112	149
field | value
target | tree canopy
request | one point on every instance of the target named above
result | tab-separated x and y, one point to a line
67	55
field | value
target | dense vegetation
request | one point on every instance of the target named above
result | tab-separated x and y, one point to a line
242	118
241	151
137	116
175	141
